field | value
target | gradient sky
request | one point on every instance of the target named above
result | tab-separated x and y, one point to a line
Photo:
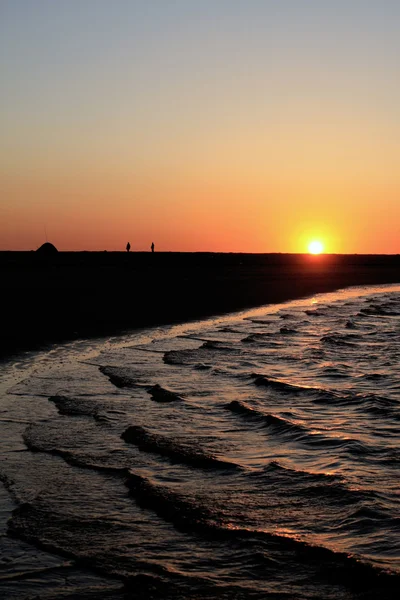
223	125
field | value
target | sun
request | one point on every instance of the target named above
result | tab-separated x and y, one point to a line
315	247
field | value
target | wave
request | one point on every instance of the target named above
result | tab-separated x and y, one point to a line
368	402
265	340
75	407
269	338
174	507
329	487
194	358
337	339
229	329
289	316
364	518
290	388
375	376
160	394
176	357
268	420
209	351
372	404
317	312
260	321
300	434
84	462
257	552
379	310
288	331
375	400
290	474
282	426
177	452
119	377
118	579
338	372
216	345
191	516
381	407
53	531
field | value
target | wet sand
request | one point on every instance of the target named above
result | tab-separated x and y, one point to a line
83	294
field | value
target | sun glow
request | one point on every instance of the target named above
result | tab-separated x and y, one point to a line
315	247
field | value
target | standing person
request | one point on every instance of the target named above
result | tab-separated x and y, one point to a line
152	246
128	247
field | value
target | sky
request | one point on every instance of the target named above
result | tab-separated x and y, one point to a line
201	125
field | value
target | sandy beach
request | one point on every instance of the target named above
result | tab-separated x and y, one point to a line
79	294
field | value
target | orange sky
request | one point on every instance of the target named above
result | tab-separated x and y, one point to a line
232	127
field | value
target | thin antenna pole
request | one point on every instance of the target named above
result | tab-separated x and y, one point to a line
45	233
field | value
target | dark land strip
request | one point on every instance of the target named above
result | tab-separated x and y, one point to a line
75	295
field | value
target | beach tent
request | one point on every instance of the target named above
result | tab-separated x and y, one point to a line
47	249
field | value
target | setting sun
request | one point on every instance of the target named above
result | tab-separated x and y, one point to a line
315	247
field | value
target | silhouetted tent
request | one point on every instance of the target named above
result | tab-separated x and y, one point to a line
47	249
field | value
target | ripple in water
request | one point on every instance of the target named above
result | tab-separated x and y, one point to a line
231	458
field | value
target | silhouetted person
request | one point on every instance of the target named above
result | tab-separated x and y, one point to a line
152	246
128	247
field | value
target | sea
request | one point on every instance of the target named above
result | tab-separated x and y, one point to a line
253	455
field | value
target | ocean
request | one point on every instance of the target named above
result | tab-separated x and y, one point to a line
252	455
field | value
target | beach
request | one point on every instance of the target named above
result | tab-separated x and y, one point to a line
200	292
74	295
253	456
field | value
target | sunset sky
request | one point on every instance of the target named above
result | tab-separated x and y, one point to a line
220	125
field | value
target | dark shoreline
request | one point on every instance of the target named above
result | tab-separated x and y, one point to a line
89	294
